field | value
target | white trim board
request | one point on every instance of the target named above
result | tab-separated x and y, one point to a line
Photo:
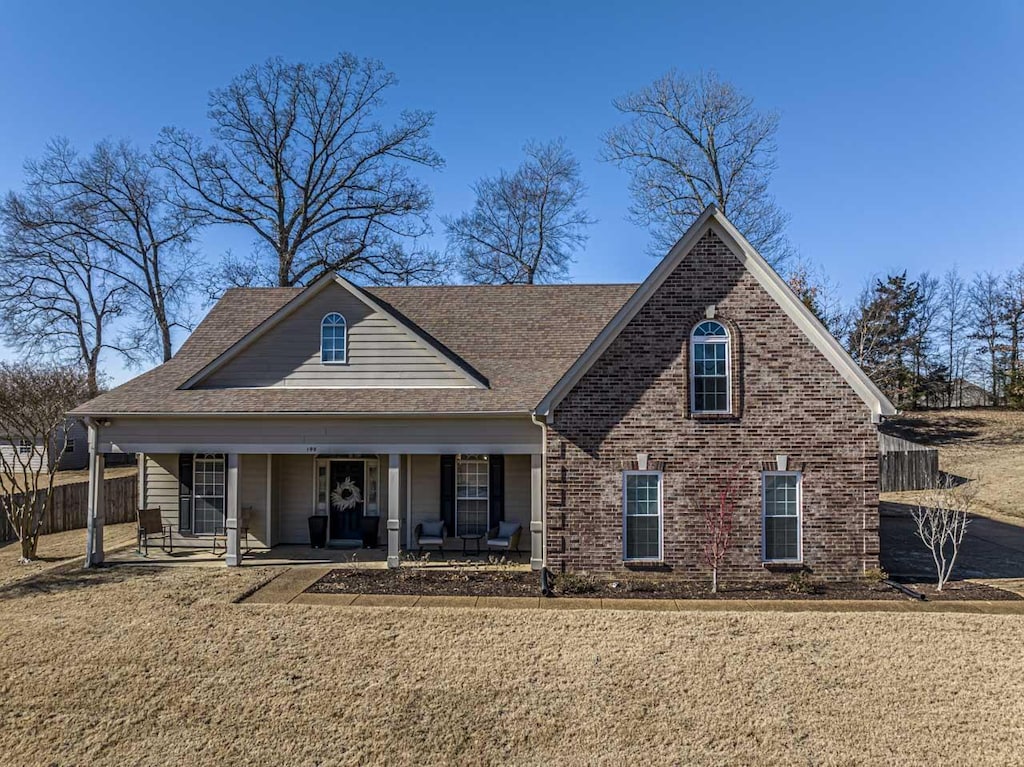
474	378
713	219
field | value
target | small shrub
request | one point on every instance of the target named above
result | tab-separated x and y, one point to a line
576	583
643	586
875	575
801	583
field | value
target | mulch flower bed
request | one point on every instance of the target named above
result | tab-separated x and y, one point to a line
467	581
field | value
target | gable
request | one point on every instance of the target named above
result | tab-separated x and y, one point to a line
740	262
382	351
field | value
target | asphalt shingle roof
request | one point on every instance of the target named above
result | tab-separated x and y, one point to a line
521	338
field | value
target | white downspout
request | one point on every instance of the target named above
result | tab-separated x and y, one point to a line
543	491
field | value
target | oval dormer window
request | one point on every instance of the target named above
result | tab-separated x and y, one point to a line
333	339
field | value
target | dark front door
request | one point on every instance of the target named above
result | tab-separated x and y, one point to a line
345	497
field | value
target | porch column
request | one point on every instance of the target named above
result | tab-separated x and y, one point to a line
394	519
94	505
233	557
536	511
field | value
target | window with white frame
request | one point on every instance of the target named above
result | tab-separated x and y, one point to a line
709	371
24	445
641	537
472	494
69	445
208	482
780	507
333	339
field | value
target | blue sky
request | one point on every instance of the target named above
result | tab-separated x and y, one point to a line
901	143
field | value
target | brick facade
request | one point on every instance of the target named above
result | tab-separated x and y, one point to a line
787	400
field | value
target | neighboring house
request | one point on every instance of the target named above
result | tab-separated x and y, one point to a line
602	418
70	454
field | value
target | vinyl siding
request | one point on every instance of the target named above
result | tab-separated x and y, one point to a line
33	461
161	483
293	481
252	482
381	352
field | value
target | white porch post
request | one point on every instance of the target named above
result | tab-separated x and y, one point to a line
536	511
234	513
394	505
94	508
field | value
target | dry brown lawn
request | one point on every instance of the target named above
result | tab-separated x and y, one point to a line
156	666
980	443
56	548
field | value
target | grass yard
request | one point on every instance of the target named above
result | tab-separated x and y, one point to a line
986	443
57	547
156	666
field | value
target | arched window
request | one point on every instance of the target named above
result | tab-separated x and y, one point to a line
333	341
709	373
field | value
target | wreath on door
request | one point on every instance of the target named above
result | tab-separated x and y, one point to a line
346	495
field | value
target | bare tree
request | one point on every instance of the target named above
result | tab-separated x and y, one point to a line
953	310
987	306
301	159
718	526
1013	316
58	292
116	198
820	294
525	225
692	141
941	517
34	401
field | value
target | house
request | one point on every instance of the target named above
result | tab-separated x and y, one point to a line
602	418
70	451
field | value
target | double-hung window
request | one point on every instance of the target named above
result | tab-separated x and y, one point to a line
472	494
208	482
25	445
709	372
641	538
781	513
333	340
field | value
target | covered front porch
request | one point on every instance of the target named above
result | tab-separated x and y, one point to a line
358	502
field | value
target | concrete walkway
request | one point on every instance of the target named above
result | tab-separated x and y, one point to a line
290	587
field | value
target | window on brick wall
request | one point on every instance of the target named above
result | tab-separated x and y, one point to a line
709	369
641	533
781	516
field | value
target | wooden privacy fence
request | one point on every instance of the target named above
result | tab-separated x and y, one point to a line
905	465
71	503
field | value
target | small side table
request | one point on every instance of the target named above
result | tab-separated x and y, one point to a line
471	537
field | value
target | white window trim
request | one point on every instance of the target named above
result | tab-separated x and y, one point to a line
487	499
69	445
799	517
727	342
344	322
661	516
223	459
25	446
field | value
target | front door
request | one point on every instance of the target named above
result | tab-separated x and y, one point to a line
346	497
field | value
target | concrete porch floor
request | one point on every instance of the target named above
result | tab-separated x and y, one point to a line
304	556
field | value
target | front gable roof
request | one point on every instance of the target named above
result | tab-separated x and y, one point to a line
468	375
519	338
713	219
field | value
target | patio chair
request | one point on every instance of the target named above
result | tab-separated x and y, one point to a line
430	534
505	537
151	527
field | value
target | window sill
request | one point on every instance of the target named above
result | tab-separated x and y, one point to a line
645	564
715	417
784	566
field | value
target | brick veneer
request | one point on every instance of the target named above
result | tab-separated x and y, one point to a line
787	399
